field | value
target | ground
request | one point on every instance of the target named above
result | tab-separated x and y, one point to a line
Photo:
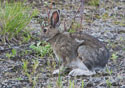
105	22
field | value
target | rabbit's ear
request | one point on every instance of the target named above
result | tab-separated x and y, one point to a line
55	19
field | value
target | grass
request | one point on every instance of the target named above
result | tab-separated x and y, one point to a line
109	71
44	49
71	30
114	56
71	84
14	18
59	81
109	84
32	76
94	2
12	54
74	27
82	83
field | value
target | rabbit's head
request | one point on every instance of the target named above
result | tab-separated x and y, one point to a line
50	28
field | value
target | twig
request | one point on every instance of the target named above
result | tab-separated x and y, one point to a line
82	11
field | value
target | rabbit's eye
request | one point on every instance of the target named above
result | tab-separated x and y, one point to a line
44	30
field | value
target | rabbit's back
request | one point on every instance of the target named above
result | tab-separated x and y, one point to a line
92	52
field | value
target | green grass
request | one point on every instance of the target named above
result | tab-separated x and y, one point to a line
71	84
12	54
82	83
59	83
109	84
74	27
44	49
32	76
14	17
94	2
71	30
114	56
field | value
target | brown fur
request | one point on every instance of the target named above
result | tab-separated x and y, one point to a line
79	46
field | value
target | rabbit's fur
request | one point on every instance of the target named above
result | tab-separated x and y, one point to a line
79	51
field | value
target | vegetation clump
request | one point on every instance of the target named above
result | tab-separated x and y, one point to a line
14	17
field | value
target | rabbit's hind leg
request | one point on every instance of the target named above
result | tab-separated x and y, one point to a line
81	69
81	72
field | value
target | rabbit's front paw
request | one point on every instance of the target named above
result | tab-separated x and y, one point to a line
56	72
80	72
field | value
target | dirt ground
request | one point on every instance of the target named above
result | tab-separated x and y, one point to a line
105	22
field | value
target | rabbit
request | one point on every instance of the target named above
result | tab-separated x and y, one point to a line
79	51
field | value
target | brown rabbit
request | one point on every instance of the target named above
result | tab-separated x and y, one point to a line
79	51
